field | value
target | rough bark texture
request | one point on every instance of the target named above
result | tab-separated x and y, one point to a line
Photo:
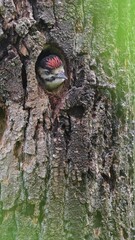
66	173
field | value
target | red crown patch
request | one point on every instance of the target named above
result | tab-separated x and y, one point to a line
53	62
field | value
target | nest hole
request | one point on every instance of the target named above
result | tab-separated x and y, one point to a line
52	49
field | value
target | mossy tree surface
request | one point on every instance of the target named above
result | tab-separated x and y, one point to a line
67	173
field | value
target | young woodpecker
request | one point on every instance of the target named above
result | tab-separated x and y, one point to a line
51	72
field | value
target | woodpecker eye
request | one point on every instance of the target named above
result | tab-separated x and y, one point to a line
47	72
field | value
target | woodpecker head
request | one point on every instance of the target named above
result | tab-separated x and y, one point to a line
51	72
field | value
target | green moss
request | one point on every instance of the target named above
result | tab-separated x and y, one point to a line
2	10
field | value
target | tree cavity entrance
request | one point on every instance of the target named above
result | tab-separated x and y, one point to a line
51	69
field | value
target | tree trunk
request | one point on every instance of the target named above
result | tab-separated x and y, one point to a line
66	160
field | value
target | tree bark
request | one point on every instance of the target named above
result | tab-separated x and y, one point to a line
66	170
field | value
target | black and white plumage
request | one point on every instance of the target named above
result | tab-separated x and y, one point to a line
51	72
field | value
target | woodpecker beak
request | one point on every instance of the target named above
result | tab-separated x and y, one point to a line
62	75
